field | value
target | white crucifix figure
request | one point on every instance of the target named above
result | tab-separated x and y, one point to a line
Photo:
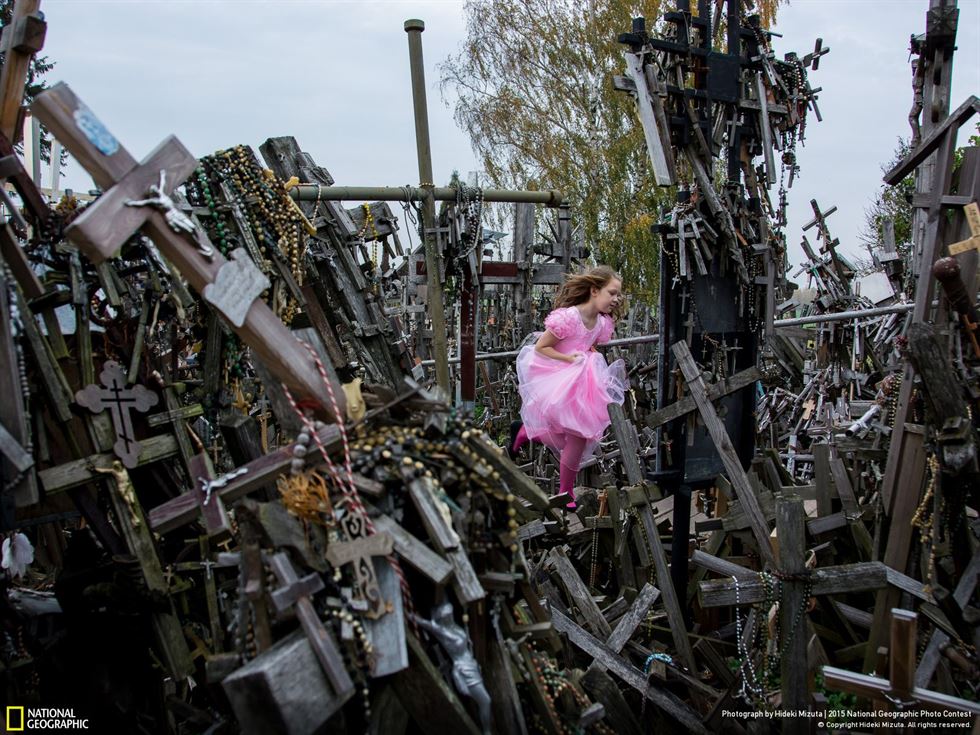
119	400
177	220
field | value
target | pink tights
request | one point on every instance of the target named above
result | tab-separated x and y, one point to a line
571	455
521	439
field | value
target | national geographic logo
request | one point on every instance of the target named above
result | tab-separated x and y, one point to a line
20	719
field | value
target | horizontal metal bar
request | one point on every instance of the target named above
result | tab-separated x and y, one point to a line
314	192
625	342
843	316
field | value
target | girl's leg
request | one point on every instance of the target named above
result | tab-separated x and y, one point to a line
520	440
571	455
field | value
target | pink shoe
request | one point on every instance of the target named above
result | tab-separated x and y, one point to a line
571	505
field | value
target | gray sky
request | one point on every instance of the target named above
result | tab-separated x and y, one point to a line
335	76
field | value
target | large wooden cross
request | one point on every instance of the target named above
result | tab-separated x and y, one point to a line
106	224
899	688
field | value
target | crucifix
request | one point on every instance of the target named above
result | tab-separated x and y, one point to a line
120	401
231	286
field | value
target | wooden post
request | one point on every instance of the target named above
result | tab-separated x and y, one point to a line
23	38
793	619
132	524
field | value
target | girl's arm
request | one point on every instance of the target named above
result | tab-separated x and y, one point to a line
546	346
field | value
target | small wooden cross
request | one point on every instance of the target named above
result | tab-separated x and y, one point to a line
109	222
972	212
899	688
296	592
818	50
119	400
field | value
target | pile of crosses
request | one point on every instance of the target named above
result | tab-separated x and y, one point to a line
251	510
817	447
229	503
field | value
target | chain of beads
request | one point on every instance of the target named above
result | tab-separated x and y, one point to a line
270	213
17	328
749	686
375	235
595	539
204	189
924	522
364	652
651	574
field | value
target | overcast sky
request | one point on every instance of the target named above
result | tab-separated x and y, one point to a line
335	76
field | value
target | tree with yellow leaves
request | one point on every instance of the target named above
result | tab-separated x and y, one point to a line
534	91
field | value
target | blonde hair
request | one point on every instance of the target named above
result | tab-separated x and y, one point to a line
577	288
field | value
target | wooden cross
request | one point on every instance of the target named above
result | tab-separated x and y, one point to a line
119	400
109	222
21	39
818	50
899	688
725	448
722	388
296	592
972	212
213	511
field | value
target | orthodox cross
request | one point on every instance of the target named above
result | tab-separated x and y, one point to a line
119	400
232	286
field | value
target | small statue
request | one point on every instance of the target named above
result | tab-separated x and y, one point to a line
176	220
466	670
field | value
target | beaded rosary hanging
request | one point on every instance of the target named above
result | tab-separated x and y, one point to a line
278	226
17	330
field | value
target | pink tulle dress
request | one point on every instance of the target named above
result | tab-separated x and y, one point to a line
561	398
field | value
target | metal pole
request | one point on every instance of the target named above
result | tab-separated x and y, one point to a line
315	192
842	316
433	291
625	342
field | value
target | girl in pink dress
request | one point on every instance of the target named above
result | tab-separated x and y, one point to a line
565	384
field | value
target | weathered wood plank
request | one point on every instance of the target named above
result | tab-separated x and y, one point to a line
615	664
726	450
80	471
578	593
827	581
633	618
416	553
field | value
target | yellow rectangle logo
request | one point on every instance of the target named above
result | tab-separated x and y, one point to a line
10	725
